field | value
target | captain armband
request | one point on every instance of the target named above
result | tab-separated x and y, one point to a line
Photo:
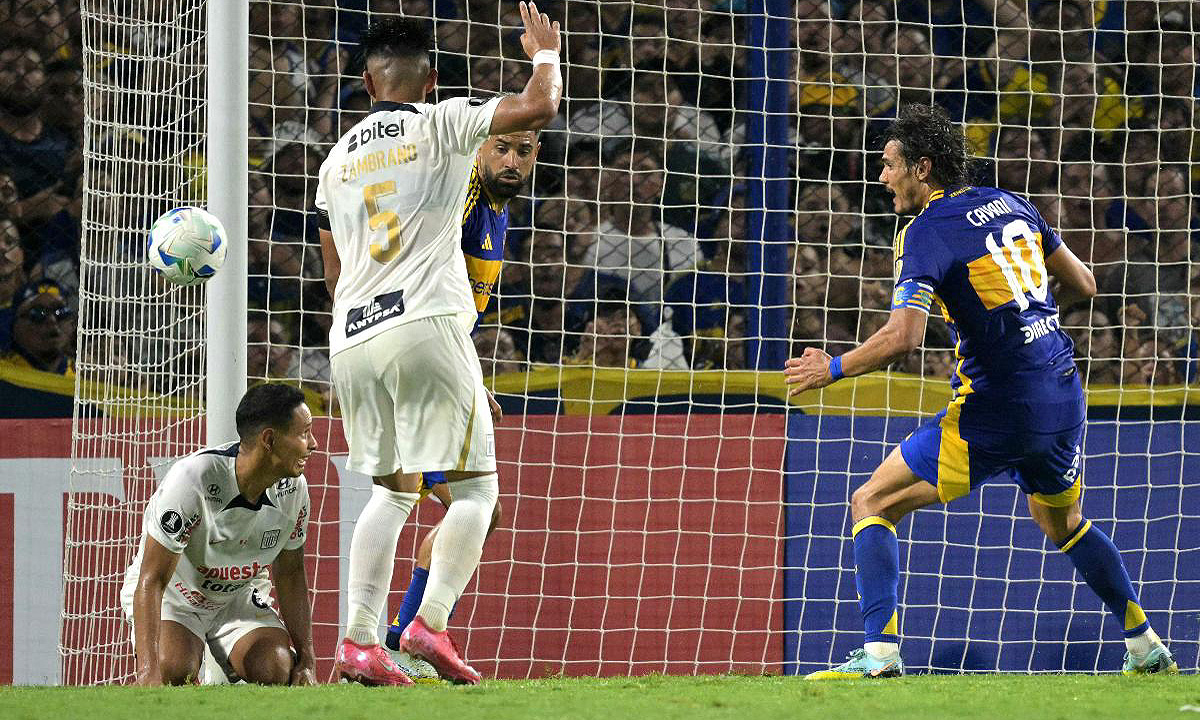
912	294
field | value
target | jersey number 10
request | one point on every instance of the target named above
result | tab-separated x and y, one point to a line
378	219
1018	238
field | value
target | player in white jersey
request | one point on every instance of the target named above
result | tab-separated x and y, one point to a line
390	200
218	520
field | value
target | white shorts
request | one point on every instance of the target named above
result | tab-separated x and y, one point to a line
413	400
220	629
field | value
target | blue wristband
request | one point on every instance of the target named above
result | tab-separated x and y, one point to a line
835	368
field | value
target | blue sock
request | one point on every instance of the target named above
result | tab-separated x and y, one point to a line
408	608
877	575
1099	562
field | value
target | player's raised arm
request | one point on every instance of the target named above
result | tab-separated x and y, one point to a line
1077	281
536	105
158	564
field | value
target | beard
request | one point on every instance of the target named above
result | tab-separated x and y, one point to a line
501	190
20	104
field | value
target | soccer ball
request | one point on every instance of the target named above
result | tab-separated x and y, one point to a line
186	245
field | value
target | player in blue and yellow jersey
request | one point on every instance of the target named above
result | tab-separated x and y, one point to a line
502	167
985	257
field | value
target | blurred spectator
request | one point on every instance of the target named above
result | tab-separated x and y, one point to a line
824	216
293	65
1157	222
1096	124
35	155
569	214
702	303
1160	51
292	163
1093	100
12	277
39	24
43	330
829	128
272	353
10	198
632	241
1096	347
609	338
867	29
658	111
352	109
1023	162
547	317
498	353
583	173
601	126
1147	356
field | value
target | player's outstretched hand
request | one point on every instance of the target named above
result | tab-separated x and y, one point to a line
540	33
303	672
497	411
808	372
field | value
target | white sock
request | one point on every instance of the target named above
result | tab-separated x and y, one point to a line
372	557
457	547
881	650
1140	645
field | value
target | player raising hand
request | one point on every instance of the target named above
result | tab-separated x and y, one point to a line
390	200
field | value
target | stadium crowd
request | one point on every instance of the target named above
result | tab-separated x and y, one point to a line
630	247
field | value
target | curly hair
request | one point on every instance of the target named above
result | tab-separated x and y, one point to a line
398	37
926	131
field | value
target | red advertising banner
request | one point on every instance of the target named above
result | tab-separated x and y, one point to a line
629	545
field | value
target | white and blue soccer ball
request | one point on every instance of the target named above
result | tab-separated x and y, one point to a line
187	245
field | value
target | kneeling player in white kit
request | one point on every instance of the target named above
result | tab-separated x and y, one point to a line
217	521
390	201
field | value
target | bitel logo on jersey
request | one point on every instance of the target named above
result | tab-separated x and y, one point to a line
370	132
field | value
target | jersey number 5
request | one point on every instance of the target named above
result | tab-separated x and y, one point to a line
1019	240
377	220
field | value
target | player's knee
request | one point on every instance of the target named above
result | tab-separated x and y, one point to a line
268	664
864	502
1056	522
178	670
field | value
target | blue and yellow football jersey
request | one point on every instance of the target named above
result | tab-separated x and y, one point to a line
979	254
483	228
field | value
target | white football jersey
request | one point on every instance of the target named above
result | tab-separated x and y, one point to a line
225	541
392	192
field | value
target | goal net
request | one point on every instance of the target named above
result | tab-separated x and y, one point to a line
704	207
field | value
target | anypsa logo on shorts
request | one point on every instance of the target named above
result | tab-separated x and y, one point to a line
379	309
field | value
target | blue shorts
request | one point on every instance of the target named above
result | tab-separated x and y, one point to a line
957	458
429	479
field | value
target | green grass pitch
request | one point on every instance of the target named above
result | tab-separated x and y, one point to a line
924	697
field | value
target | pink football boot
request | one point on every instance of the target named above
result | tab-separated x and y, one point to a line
439	650
367	665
